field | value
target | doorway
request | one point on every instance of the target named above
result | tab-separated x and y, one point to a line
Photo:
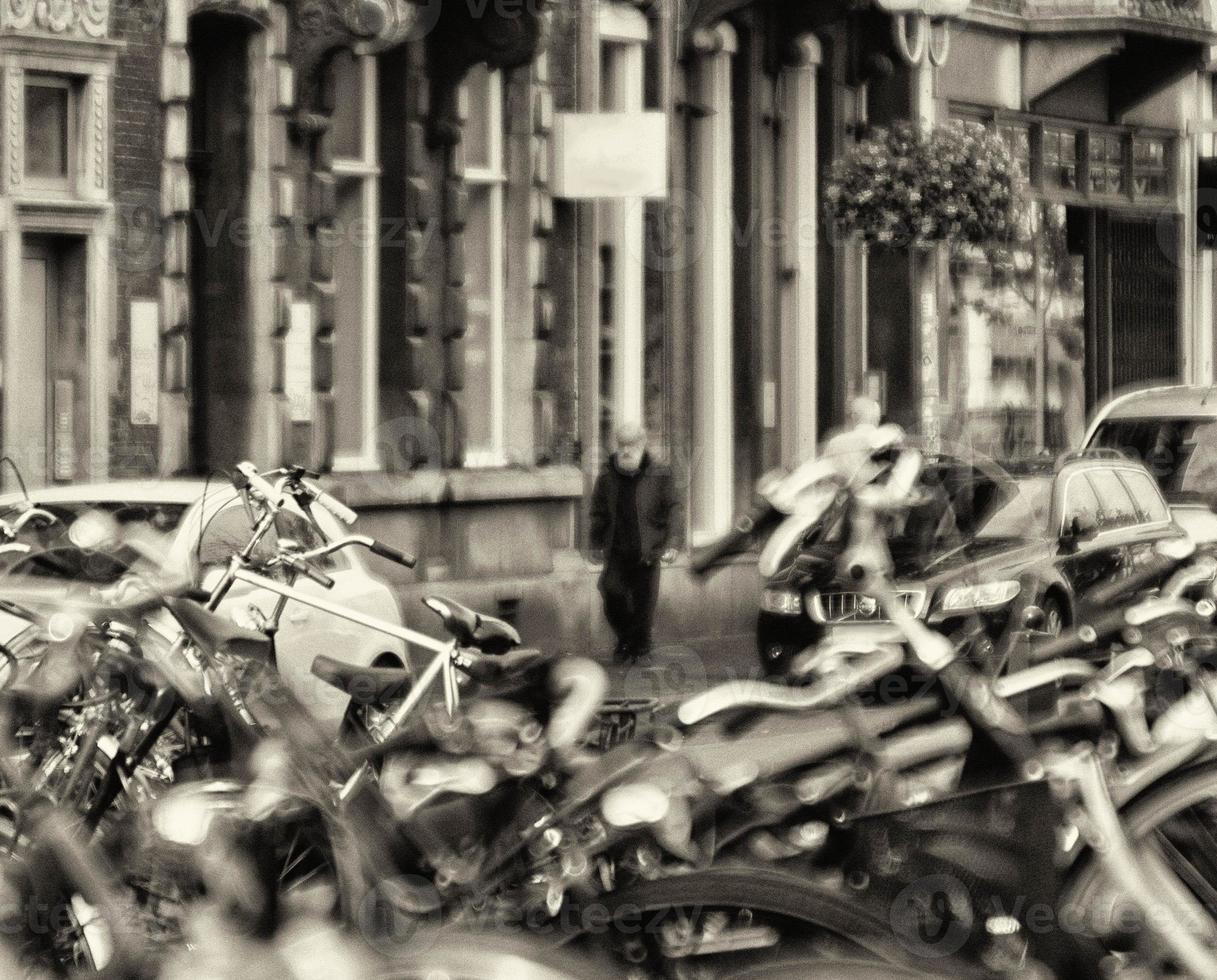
46	422
222	384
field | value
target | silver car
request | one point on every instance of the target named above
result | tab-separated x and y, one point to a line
1173	431
204	524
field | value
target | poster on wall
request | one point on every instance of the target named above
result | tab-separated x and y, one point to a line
298	363
145	361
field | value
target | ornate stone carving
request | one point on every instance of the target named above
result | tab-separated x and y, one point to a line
503	36
323	26
100	124
15	124
80	18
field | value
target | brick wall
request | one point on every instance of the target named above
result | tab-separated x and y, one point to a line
137	243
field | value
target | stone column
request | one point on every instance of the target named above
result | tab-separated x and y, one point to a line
712	503
800	259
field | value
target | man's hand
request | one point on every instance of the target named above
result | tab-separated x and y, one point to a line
668	556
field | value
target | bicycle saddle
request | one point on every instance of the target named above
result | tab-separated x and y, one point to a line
216	633
472	629
365	685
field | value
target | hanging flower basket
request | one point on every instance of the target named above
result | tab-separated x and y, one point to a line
905	187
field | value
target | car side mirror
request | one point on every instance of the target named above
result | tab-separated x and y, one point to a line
1082	527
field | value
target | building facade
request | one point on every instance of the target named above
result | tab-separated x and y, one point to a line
439	250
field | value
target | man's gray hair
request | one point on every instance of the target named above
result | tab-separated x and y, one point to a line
630	434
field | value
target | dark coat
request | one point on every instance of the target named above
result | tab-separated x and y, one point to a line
658	508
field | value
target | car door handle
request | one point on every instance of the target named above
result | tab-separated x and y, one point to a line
299	616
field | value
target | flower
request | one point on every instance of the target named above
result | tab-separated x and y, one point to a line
955	182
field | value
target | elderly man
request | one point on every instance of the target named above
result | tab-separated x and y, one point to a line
633	525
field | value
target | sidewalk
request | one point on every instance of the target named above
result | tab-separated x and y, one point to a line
675	671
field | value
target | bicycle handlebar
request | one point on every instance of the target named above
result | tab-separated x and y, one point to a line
323	499
256	482
1086	636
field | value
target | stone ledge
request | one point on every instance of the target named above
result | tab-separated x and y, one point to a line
424	488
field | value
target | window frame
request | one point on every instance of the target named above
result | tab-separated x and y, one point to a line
1144	519
492	179
72	86
1067	512
996	119
1104	525
366	168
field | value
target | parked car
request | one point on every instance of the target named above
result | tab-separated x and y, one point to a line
987	540
1173	431
204	525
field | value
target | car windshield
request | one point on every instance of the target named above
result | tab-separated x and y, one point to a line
1180	453
961	503
1022	514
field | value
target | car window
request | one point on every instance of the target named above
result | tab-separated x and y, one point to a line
1180	454
228	531
1151	508
305	534
1081	501
1116	508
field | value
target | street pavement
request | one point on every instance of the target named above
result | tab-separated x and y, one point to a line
675	671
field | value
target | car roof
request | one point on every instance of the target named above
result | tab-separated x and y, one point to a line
171	491
1073	464
1171	401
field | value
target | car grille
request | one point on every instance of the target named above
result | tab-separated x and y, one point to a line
857	607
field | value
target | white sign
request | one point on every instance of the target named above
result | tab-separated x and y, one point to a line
63	407
298	362
145	361
599	155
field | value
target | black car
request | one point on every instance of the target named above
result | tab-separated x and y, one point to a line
986	540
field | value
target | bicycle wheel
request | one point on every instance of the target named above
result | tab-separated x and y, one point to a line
743	922
1179	818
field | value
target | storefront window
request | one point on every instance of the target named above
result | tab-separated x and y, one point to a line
1014	362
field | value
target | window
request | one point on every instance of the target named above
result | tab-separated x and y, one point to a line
1151	509
1181	454
50	108
1150	167
623	35
485	179
356	261
1014	351
1083	162
1116	508
1060	158
229	530
1081	502
296	528
1108	167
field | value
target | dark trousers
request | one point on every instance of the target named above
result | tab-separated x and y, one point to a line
631	589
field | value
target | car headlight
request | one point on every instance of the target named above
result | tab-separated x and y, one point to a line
782	602
990	595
